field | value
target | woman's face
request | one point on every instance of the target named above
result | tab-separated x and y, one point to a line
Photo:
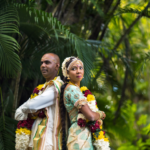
76	72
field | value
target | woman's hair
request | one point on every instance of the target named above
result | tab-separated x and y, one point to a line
63	109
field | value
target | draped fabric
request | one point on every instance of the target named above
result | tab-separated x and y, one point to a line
44	132
57	120
78	138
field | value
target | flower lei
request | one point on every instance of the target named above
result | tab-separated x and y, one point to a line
23	130
98	136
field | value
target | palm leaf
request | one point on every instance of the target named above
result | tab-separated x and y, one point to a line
9	60
7	126
46	34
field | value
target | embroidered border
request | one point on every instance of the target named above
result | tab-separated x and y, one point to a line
80	103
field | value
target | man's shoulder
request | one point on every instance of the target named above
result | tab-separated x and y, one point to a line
58	81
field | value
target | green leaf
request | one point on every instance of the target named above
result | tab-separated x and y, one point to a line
142	120
50	2
146	130
97	134
133	10
9	59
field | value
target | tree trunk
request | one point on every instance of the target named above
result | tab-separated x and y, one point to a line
106	24
122	99
70	8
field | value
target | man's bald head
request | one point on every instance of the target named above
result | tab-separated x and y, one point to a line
50	64
54	56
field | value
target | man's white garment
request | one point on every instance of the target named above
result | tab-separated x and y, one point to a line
46	100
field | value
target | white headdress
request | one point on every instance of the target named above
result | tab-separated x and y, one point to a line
64	68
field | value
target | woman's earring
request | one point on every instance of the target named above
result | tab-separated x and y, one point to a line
68	77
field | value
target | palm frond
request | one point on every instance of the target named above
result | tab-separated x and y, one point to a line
7	127
9	60
46	34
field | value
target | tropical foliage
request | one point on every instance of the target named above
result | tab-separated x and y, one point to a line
8	45
112	39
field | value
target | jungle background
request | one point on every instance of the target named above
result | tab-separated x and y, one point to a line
111	37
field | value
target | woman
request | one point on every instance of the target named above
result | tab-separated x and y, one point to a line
74	102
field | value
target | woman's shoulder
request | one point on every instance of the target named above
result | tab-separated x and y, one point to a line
72	88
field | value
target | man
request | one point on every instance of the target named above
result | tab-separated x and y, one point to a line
44	132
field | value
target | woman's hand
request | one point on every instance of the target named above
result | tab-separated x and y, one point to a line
100	122
104	115
89	114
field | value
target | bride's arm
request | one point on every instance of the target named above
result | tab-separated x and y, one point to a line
89	114
75	96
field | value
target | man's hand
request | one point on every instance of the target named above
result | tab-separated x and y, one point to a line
30	115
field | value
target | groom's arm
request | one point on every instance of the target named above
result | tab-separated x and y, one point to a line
47	98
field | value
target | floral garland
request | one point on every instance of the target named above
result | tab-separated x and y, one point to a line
23	130
64	69
98	136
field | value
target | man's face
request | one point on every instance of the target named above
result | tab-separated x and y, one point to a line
48	66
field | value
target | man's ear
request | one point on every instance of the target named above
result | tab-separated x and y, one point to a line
57	66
